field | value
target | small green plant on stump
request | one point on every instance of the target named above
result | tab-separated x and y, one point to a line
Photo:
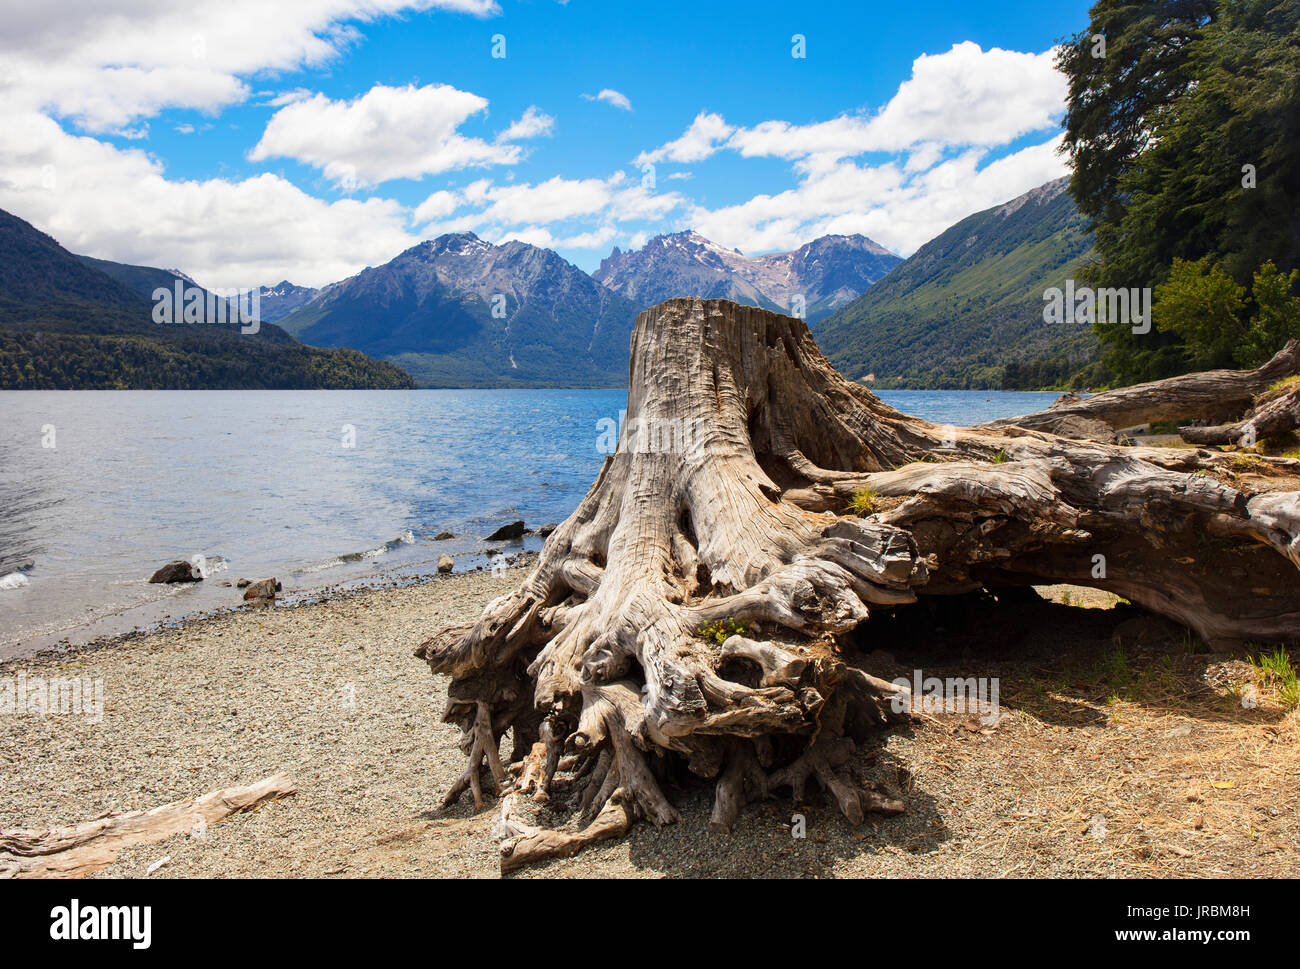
720	631
862	502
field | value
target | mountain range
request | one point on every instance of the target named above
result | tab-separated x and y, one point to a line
826	273
139	280
966	310
274	302
460	312
67	322
457	311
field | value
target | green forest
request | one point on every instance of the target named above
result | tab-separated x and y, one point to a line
1183	131
966	310
39	360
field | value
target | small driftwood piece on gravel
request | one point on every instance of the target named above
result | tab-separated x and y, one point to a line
756	491
82	849
1215	395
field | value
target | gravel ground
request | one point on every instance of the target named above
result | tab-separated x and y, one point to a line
329	694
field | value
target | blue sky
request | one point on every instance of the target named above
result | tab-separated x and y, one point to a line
245	142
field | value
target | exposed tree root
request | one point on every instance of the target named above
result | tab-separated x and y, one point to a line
689	617
1212	395
481	743
823	762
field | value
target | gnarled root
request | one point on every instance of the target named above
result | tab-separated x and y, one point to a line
619	790
743	780
528	845
823	762
481	742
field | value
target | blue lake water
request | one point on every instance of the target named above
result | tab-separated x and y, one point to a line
318	488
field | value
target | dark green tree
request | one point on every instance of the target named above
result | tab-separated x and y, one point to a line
1130	65
1185	138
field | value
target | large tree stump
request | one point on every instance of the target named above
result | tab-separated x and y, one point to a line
727	505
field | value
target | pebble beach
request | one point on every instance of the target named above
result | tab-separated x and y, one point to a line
329	694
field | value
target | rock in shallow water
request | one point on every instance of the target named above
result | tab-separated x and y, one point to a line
514	530
445	563
177	572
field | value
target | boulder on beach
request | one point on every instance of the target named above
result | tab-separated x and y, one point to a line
177	572
443	536
546	529
263	589
445	563
506	533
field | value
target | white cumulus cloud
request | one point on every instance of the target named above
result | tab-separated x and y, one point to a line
103	65
390	132
706	134
970	96
940	126
531	124
98	200
965	96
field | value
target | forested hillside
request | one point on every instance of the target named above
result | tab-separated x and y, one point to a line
966	311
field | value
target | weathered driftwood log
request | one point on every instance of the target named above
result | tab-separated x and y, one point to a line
1273	418
1216	395
82	849
726	509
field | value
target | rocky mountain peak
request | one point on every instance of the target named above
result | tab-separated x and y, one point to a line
827	272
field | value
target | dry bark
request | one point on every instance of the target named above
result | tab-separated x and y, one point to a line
75	851
1272	419
1215	395
728	501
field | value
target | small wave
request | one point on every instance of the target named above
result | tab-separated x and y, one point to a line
209	565
14	580
406	538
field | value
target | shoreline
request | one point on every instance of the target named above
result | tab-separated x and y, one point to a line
293	599
329	694
73	638
84	561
